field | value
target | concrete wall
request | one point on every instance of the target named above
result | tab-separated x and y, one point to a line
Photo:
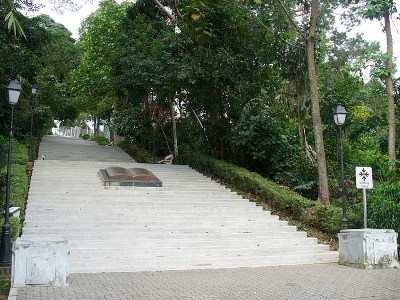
368	248
40	260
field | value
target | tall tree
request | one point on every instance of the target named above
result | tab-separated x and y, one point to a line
310	37
383	10
315	106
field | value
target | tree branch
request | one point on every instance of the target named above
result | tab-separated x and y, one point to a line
165	10
262	24
178	13
294	23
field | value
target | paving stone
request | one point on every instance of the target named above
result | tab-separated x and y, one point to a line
311	282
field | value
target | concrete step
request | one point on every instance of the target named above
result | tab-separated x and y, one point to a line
147	243
191	222
133	211
142	219
129	191
169	222
164	230
129	203
131	265
82	253
161	236
129	208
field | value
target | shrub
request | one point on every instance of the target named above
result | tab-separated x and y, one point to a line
19	186
19	180
86	136
101	140
384	207
3	151
309	212
139	154
15	227
19	153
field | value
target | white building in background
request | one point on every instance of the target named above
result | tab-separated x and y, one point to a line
78	131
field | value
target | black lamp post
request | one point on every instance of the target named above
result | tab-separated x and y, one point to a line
34	90
339	115
14	90
153	124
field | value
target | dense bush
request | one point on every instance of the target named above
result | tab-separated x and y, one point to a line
19	186
266	142
384	207
139	154
101	140
310	213
128	123
86	136
15	227
3	151
19	182
20	153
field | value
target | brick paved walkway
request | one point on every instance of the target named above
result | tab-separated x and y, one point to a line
308	282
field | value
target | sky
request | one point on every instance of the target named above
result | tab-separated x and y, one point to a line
70	19
372	30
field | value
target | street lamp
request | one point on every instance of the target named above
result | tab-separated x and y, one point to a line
34	90
339	115
14	90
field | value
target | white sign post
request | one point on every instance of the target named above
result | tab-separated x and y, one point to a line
364	182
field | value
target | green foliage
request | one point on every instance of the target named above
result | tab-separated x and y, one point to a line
19	177
375	9
19	153
59	57
15	223
19	186
310	213
384	206
138	153
92	82
86	136
3	151
266	142
128	123
101	140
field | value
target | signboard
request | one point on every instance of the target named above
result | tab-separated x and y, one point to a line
364	178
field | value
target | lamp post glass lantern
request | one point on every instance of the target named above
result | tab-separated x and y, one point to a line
339	116
14	90
34	88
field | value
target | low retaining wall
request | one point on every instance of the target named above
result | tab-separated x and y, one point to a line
40	261
368	248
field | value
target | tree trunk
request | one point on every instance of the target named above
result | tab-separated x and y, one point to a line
97	126
315	108
95	132
299	98
389	90
110	128
171	105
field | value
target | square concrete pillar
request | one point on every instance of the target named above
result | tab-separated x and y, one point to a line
40	261
368	248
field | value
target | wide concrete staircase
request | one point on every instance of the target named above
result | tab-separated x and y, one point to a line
191	222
